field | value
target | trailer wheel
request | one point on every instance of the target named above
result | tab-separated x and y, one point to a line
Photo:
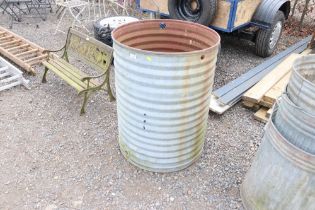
267	39
199	11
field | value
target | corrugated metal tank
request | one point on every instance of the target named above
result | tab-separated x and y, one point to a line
164	76
295	124
281	177
301	88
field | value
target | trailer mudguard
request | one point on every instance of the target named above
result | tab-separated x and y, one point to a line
267	10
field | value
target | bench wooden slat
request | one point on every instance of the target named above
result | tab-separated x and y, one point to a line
64	76
74	71
69	75
71	69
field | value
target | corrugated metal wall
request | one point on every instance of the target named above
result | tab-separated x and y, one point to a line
164	77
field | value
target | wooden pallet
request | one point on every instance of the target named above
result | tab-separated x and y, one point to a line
10	76
20	51
265	93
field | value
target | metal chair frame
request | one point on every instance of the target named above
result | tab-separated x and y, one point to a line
14	8
75	8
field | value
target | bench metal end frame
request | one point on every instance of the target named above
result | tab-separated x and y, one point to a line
95	53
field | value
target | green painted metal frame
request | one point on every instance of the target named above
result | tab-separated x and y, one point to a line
95	53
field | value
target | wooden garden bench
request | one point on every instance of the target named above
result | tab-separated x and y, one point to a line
94	53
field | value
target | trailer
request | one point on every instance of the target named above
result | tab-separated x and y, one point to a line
260	21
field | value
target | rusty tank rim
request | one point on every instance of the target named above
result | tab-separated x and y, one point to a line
119	31
300	63
301	87
298	157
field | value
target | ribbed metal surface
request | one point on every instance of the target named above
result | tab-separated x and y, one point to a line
281	177
301	87
296	125
267	10
164	77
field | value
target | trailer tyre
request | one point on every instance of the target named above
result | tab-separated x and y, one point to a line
267	39
199	11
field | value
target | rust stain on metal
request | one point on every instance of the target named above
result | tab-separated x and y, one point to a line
301	87
168	36
281	176
164	77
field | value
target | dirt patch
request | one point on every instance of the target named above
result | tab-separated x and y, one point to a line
53	158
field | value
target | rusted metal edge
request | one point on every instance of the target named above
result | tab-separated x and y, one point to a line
118	32
300	89
163	84
295	124
295	155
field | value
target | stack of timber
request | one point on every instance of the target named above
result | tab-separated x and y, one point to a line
265	93
227	96
20	51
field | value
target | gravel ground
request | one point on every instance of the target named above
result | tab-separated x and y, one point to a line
52	158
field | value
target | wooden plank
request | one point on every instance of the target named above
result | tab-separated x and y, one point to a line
221	19
26	52
266	104
72	70
306	52
233	95
222	15
14	41
256	93
276	91
18	47
35	58
269	113
245	11
35	62
149	5
251	105
6	37
260	115
65	77
271	62
23	39
242	88
22	64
